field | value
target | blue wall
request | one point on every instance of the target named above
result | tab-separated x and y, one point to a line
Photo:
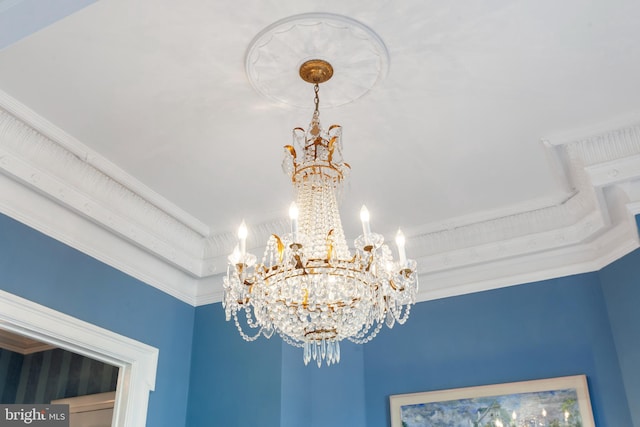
47	272
621	287
539	330
207	375
333	396
234	383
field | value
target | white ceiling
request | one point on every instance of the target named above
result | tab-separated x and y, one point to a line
153	97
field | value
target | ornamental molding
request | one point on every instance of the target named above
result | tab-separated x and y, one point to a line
63	189
48	161
355	49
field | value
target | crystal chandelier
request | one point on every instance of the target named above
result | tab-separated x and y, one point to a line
309	287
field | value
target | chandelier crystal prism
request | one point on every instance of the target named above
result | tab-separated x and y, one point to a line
309	288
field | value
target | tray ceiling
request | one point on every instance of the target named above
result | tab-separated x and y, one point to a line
503	137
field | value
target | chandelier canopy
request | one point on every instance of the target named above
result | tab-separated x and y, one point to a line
309	287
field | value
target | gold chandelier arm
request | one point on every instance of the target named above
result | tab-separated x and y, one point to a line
291	150
280	247
331	147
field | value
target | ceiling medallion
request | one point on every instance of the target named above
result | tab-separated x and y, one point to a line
309	288
350	46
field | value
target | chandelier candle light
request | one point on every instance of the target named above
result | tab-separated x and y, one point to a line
309	288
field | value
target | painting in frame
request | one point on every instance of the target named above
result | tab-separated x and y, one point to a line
553	402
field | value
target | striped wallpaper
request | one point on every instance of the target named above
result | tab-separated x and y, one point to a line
10	370
52	374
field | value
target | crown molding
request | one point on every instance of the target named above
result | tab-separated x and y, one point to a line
92	159
531	267
79	180
67	226
63	189
570	136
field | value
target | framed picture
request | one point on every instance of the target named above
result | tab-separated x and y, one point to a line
554	402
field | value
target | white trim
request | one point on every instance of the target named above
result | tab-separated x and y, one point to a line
60	187
614	171
58	136
43	164
137	362
529	268
69	227
571	136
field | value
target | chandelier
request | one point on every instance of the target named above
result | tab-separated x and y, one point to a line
309	288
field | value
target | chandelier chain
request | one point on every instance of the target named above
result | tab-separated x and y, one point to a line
316	99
